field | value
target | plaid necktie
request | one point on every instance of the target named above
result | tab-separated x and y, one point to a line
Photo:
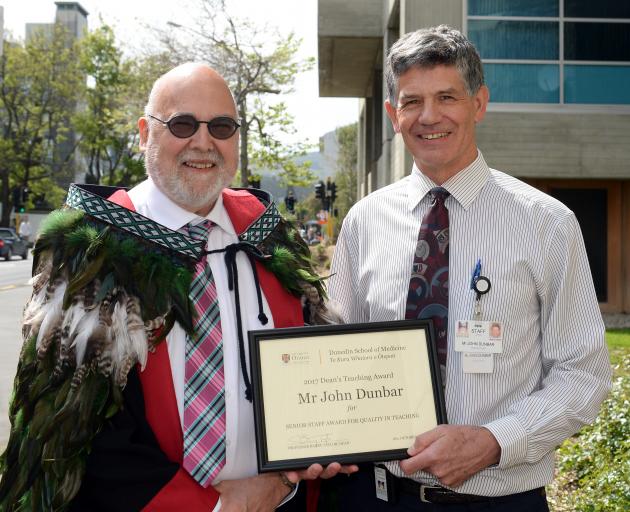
204	400
428	287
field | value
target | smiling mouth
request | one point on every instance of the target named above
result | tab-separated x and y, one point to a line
433	136
200	165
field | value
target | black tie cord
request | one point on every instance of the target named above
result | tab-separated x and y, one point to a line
254	254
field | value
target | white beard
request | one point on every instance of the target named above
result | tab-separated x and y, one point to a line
191	192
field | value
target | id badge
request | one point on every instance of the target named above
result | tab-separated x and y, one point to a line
479	336
380	483
477	362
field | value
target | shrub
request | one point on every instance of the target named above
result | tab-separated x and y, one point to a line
594	466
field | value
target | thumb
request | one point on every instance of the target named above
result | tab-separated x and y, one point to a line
423	441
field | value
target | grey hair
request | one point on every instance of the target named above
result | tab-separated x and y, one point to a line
429	47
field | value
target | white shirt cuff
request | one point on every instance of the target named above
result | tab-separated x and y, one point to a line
290	495
512	439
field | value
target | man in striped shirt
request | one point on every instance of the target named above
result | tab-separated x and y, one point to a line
505	419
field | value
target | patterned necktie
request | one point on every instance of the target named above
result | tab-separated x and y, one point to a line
428	287
204	400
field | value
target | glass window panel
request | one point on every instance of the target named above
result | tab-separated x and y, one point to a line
599	9
597	41
515	39
513	7
523	83
603	85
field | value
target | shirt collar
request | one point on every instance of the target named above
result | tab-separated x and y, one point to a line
464	186
166	212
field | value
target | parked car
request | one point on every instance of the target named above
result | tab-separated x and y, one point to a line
11	244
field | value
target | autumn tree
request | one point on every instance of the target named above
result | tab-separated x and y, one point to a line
258	63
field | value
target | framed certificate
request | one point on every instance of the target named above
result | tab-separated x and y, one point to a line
343	393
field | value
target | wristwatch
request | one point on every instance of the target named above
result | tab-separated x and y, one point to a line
286	481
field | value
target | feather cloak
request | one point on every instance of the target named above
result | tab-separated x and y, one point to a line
103	297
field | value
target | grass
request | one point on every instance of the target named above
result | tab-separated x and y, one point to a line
618	341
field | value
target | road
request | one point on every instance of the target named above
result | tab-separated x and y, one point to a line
14	292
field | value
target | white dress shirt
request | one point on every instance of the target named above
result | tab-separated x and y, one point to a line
240	441
554	371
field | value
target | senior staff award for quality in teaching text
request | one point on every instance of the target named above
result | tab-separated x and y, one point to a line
343	393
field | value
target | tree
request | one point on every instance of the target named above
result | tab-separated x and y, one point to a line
115	98
39	87
346	174
103	129
268	151
257	63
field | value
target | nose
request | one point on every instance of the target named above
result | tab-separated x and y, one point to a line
430	113
202	140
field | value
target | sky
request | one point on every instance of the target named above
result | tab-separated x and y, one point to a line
314	116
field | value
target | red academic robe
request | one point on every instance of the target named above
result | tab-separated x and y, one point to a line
182	492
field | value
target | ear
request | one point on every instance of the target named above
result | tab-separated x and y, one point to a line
481	102
143	128
392	113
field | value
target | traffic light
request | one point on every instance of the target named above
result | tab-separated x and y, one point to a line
25	192
332	188
20	196
289	202
320	190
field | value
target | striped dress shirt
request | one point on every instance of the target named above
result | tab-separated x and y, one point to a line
553	372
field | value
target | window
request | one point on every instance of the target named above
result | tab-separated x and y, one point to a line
499	39
597	41
553	51
522	83
599	9
513	7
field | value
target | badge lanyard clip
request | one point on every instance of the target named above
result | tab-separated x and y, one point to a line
481	285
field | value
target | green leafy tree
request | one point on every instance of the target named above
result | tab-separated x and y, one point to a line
101	123
39	87
346	173
259	63
115	98
268	151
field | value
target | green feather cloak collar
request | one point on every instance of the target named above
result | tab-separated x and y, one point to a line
108	285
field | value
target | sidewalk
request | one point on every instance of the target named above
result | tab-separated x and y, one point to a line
617	321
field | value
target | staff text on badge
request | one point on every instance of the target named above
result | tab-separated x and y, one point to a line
479	336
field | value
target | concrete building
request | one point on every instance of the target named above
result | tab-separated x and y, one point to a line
71	15
559	117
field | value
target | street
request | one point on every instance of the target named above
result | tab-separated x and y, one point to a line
14	292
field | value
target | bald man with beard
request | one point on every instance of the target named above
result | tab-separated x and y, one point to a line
151	455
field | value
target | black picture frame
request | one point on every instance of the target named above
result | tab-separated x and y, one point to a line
261	396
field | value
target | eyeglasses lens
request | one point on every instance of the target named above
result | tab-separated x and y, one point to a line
186	126
183	126
222	127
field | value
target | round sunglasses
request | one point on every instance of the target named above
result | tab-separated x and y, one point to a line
186	125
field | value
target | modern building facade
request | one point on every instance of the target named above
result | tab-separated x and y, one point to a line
559	116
